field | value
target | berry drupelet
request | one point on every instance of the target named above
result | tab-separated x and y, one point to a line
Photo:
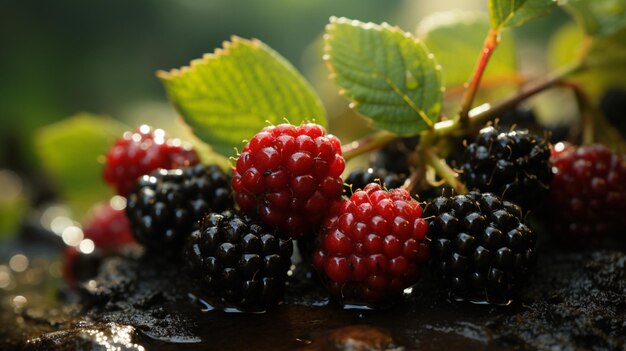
588	195
480	249
372	245
166	205
141	152
290	176
360	177
514	165
236	262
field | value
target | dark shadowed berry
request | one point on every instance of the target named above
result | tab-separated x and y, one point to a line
360	177
480	249
588	196
166	206
237	262
514	165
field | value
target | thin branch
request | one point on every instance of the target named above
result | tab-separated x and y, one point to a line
489	46
445	172
371	142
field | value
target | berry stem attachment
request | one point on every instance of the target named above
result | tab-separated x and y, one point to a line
476	116
368	143
485	112
489	46
444	171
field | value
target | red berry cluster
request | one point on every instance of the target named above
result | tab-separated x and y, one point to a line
588	191
372	245
290	176
141	152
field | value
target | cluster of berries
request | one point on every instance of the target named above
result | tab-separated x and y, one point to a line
374	242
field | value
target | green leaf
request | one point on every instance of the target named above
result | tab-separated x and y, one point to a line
230	95
465	32
390	76
605	61
69	152
513	13
598	17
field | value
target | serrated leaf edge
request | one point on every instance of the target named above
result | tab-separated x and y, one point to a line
207	57
370	25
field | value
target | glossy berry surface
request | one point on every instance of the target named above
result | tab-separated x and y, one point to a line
141	152
237	262
166	205
588	196
395	157
514	165
107	225
289	176
481	251
360	177
372	245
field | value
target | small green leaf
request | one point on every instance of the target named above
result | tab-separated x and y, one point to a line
605	61
69	152
230	95
598	17
465	32
390	76
513	13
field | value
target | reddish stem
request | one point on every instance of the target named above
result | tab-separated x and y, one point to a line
491	42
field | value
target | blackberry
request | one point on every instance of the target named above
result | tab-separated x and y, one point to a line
360	177
236	262
588	195
394	157
166	205
480	249
514	165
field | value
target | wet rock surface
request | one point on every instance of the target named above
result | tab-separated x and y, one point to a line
576	301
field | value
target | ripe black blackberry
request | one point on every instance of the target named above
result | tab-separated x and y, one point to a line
360	177
394	157
479	247
166	205
235	262
514	165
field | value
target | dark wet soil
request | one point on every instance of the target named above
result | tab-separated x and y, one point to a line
576	301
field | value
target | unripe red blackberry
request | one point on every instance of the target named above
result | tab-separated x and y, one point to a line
514	165
236	262
166	206
372	245
141	152
480	249
360	177
289	176
588	195
108	226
